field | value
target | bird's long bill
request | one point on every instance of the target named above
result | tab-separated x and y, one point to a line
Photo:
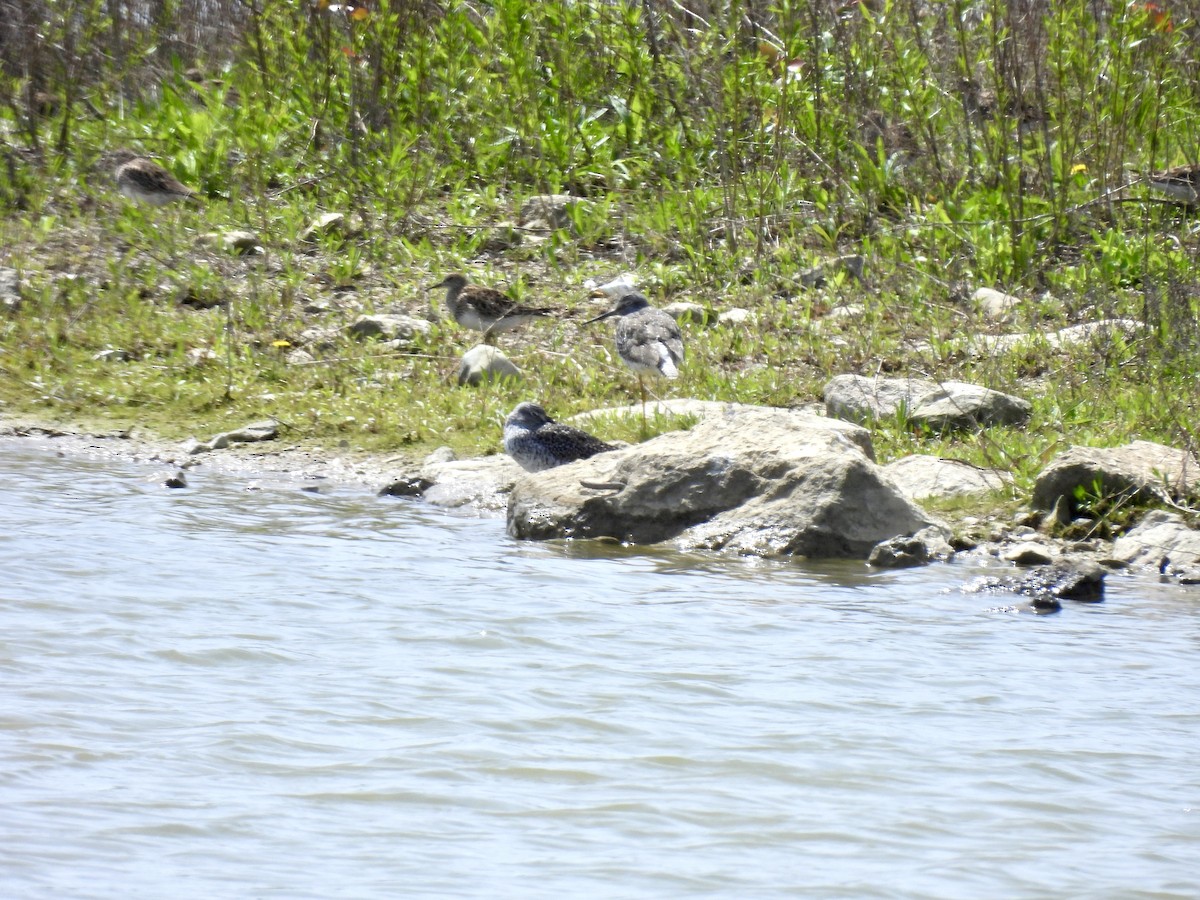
434	287
611	312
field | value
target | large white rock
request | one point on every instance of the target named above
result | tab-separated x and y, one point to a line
1160	534
1140	470
752	480
940	405
923	477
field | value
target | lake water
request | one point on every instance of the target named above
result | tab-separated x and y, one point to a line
219	692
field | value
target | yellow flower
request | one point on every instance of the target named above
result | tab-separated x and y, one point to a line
1077	168
281	343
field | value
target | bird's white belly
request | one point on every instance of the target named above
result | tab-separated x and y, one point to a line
468	317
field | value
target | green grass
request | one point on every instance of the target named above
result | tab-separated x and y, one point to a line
951	152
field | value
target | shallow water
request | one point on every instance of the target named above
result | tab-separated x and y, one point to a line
216	692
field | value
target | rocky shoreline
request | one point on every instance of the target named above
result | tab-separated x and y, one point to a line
749	480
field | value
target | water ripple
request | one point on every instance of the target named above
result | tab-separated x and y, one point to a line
220	692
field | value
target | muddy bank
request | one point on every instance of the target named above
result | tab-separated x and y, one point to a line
268	463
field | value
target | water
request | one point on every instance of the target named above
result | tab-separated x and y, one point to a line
218	692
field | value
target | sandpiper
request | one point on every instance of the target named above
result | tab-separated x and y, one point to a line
536	442
1181	182
146	181
648	340
485	309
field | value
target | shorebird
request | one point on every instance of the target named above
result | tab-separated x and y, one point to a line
648	340
485	309
536	442
1181	182
146	181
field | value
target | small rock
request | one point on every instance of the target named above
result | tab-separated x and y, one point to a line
1028	518
243	243
111	356
733	316
10	290
406	486
1080	580
689	313
440	455
321	338
1189	576
485	363
613	290
926	546
199	356
315	306
388	327
178	480
332	223
1028	554
962	542
995	305
1042	604
299	357
849	311
266	430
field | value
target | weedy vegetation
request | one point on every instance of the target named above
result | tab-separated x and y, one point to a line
717	149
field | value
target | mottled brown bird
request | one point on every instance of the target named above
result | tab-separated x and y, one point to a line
485	309
1181	182
146	181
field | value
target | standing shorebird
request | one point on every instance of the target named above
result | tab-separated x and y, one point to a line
485	309
536	442
146	181
648	340
1181	182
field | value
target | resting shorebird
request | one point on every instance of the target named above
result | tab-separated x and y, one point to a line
536	442
1181	182
146	181
485	309
648	340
